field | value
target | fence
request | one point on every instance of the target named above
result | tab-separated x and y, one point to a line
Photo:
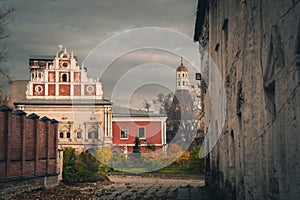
28	151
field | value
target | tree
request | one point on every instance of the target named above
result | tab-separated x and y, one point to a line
183	114
174	151
183	160
164	101
4	13
3	98
146	105
104	155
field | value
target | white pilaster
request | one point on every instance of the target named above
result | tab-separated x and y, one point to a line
46	75
82	89
72	76
110	122
46	89
105	122
71	89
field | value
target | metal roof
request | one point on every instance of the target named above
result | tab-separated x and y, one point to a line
41	57
63	102
118	111
44	57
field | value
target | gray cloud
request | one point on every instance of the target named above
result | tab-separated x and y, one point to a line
37	27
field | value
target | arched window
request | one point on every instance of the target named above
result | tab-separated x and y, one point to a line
61	135
68	135
78	135
90	135
64	78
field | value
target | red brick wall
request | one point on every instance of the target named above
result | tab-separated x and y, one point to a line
51	90
3	127
77	90
2	137
30	138
16	137
51	77
28	147
64	90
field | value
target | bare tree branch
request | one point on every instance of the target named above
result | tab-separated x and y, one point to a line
4	13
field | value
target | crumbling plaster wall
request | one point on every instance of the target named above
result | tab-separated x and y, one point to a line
258	154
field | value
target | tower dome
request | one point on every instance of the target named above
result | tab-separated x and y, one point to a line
182	69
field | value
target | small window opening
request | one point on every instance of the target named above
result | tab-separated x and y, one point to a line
64	78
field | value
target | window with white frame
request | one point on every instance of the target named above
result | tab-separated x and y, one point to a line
142	132
124	133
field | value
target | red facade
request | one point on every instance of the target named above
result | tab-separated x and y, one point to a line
64	90
51	77
152	134
51	90
77	90
90	90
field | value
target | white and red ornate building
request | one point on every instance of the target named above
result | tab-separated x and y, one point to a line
59	88
60	77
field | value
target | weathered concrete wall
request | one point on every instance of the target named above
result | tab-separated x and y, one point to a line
258	154
17	91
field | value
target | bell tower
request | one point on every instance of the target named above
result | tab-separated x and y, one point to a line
182	77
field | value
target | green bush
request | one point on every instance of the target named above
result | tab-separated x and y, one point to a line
80	168
136	147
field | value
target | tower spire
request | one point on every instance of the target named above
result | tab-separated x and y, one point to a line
181	61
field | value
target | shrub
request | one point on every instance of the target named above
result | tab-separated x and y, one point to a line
150	147
136	147
104	155
80	168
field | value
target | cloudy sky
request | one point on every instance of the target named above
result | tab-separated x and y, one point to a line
38	26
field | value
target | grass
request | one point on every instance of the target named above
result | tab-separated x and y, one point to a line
178	170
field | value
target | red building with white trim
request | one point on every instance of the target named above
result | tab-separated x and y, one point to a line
127	124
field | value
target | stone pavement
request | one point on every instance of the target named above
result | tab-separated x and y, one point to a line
137	187
129	187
